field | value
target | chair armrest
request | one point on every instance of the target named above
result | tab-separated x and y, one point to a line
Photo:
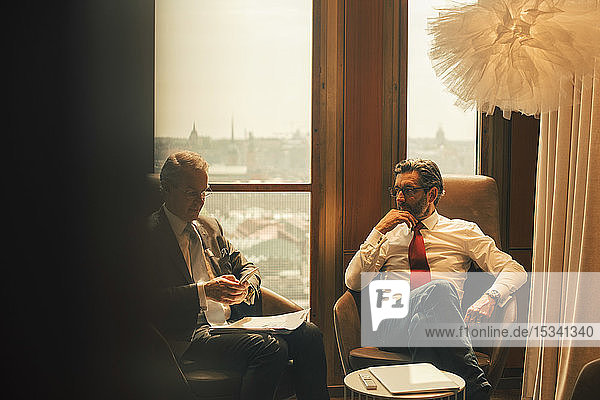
346	324
499	353
274	304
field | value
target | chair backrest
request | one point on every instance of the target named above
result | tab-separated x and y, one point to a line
472	198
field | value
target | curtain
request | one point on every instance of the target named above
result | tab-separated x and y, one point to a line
566	232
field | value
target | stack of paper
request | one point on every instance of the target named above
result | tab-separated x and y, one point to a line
413	378
281	324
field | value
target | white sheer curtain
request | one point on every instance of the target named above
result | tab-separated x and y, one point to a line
566	235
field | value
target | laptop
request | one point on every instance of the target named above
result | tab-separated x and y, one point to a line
413	378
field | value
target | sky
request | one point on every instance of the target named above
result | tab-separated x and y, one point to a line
219	62
430	105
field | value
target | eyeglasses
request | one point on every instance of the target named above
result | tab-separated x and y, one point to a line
407	191
192	194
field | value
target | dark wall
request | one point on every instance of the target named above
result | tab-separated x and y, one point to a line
80	141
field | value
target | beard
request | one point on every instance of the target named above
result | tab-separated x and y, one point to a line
418	209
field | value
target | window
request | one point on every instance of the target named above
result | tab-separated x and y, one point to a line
233	83
436	128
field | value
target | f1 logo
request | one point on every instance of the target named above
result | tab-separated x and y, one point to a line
389	300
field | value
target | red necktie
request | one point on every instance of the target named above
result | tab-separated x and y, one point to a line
419	268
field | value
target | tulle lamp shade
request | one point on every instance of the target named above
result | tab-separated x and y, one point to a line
513	54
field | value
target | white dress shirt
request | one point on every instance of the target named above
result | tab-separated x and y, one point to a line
450	245
216	313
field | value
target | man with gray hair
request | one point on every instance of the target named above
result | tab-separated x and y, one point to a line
433	253
198	274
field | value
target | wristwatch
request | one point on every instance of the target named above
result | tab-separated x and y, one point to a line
493	294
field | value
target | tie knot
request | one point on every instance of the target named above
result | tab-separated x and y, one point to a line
418	227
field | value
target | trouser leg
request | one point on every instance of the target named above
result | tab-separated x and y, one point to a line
260	358
306	349
430	305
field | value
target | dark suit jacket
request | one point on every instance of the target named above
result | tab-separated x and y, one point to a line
175	306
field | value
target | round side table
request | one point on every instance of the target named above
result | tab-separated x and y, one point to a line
354	386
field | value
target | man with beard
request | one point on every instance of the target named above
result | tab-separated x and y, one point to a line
414	242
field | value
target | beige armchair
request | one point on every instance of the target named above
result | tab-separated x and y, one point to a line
472	198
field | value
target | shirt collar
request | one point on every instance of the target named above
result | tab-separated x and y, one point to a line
431	221
177	224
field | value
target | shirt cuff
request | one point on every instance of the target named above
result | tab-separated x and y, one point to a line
375	237
201	296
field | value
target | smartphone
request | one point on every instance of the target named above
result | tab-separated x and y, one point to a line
248	274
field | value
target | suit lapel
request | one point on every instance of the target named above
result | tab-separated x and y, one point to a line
173	249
